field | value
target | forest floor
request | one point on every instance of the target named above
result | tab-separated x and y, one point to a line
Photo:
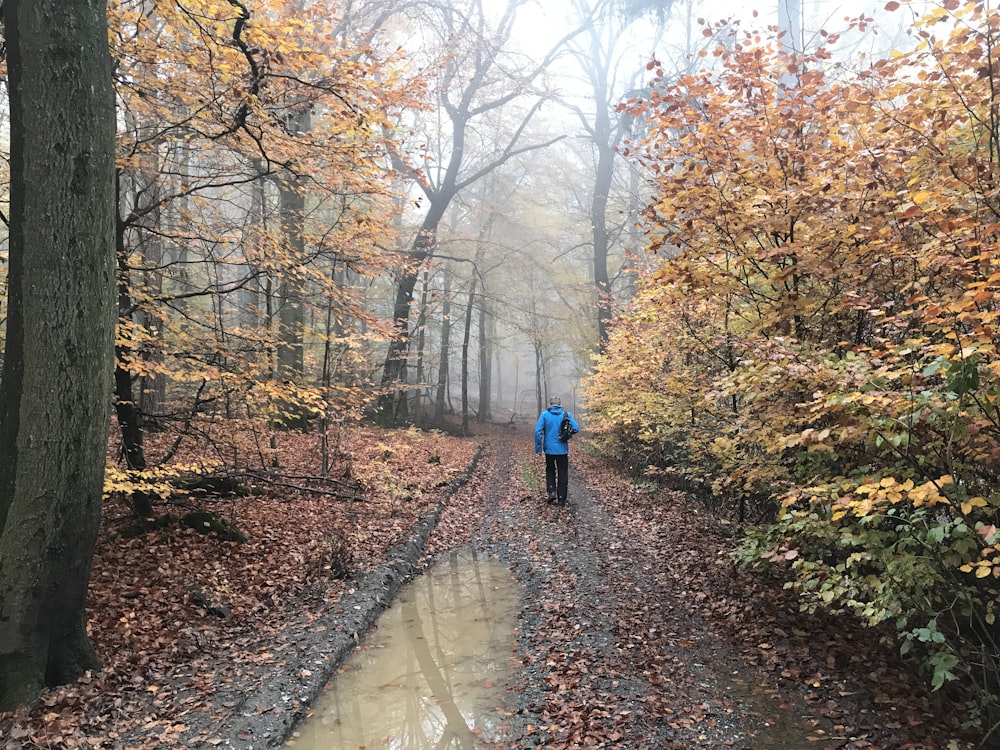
636	631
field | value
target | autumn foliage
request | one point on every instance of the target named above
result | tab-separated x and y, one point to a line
819	343
256	206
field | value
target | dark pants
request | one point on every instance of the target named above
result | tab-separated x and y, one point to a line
556	475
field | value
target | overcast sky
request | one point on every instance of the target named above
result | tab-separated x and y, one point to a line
542	22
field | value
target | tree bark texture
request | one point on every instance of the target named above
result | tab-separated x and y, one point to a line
485	362
443	365
465	355
599	232
394	370
127	409
55	389
292	310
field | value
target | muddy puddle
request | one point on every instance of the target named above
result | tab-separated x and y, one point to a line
432	673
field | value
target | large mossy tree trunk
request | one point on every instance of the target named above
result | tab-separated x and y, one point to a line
55	389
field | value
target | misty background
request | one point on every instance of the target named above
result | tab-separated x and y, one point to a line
542	221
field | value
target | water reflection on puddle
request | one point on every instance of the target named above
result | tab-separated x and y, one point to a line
431	674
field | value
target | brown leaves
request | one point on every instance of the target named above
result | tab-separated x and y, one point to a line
634	632
679	605
152	597
803	366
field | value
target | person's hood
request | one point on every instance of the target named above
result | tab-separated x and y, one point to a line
555	408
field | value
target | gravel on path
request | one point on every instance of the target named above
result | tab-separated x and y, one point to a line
637	633
634	632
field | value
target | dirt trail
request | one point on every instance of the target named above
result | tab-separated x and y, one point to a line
602	635
636	633
634	636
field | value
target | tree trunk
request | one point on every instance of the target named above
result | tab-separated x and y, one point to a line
55	393
291	310
292	290
485	364
465	356
127	410
539	376
394	370
599	226
443	365
418	398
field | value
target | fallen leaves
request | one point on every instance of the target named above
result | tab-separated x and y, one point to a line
648	638
639	634
176	615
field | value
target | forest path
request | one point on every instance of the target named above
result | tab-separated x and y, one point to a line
636	631
635	635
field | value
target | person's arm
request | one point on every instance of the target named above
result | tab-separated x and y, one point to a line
539	432
573	422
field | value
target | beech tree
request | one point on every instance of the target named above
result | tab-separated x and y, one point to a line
55	389
472	83
254	193
822	351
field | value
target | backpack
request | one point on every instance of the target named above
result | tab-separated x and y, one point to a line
565	428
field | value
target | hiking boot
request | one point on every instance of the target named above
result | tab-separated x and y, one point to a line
552	498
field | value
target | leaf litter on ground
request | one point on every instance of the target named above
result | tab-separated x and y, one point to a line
633	623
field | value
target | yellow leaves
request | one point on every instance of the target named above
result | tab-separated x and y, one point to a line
852	278
934	16
983	568
973	502
811	439
186	87
886	490
875	496
988	563
160	481
929	493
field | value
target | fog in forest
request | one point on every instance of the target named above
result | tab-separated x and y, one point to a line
501	238
277	277
543	221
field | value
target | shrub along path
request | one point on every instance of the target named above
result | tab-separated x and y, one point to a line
635	632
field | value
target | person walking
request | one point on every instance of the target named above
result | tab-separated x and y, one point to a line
547	440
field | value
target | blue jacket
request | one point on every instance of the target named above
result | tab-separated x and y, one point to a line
547	431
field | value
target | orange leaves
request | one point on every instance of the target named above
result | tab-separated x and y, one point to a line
222	108
890	491
840	239
826	236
